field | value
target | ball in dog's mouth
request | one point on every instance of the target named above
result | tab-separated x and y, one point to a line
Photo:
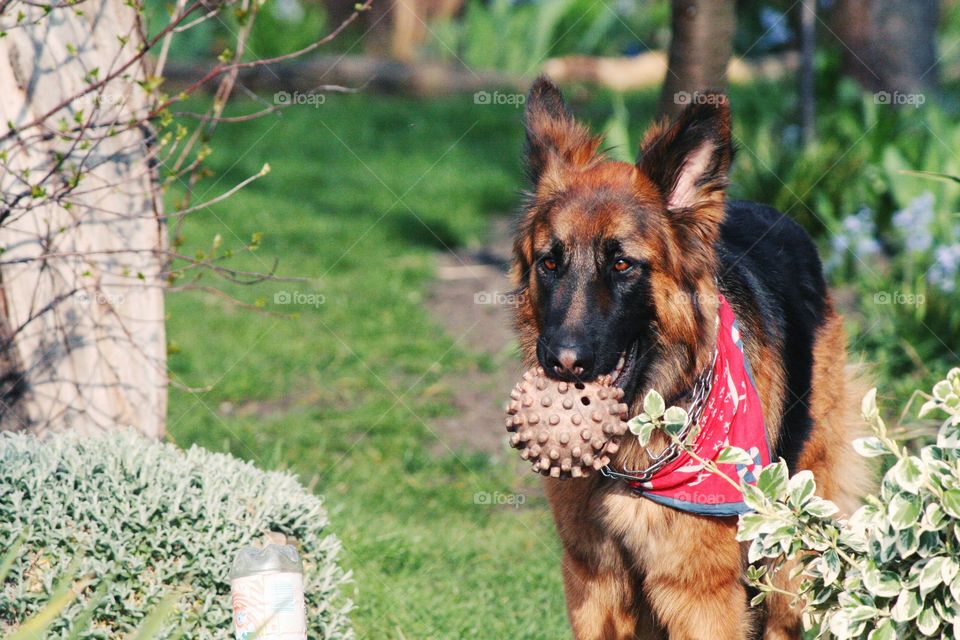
566	429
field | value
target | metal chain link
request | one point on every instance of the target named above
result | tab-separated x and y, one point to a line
699	393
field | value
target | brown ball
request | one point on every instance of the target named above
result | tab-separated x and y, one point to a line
566	429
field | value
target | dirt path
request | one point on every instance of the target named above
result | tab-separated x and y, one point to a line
471	300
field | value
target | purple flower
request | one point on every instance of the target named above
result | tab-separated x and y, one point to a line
946	262
858	235
913	222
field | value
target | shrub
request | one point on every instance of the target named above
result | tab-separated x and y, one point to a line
142	522
891	570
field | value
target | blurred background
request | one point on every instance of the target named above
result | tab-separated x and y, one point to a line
377	372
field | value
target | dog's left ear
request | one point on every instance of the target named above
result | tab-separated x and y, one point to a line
688	161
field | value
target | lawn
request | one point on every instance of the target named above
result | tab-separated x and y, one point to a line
362	194
339	374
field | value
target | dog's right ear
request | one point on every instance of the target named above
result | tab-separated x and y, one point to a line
554	139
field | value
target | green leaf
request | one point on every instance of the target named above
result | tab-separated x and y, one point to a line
904	511
927	407
772	480
950	570
955	588
653	404
928	622
870	447
931	576
673	428
907	542
643	430
10	555
751	525
908	474
862	613
941	390
675	415
934	519
753	497
801	487
951	502
945	177
842	626
883	584
948	436
907	607
734	455
830	566
884	631
820	508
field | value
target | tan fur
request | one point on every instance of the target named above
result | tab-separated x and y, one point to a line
633	568
682	573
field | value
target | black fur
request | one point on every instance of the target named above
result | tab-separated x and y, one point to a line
769	268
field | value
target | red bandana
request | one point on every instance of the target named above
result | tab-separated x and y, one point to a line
731	416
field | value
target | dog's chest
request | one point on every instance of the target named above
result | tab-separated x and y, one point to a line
633	524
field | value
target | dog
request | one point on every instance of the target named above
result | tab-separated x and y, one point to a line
620	270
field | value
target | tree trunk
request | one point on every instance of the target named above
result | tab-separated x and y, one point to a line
395	28
700	49
889	45
807	85
82	274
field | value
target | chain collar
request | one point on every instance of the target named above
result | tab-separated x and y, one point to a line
698	396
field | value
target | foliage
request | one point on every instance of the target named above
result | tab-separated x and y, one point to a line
148	527
280	26
905	273
891	569
518	37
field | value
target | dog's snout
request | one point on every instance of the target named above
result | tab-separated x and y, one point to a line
567	359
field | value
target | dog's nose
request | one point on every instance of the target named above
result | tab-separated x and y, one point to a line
570	361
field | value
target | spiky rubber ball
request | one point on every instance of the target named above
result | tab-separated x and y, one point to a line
566	429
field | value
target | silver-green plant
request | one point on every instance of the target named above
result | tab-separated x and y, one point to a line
891	570
140	527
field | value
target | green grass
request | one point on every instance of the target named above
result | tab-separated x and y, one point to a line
363	193
343	393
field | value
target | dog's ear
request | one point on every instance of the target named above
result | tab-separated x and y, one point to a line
688	161
554	139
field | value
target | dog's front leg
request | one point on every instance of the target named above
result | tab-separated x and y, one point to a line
693	579
599	603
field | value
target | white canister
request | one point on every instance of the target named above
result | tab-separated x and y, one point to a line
267	592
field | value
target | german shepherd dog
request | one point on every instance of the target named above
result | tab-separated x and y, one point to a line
619	266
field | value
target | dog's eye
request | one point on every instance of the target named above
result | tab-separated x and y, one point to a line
549	264
622	266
